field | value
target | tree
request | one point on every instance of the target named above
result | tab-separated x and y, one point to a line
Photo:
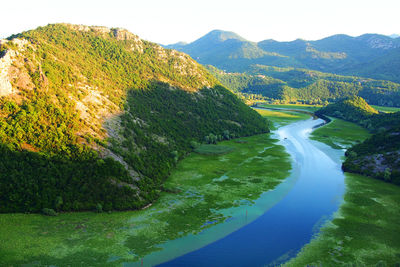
58	203
387	174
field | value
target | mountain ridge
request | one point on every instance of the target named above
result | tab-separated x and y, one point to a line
339	54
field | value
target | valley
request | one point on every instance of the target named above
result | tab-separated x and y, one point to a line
117	151
240	195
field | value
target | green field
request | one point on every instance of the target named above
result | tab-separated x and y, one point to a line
386	109
282	117
366	230
340	134
196	196
209	149
309	108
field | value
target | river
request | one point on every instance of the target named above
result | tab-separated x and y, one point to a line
280	232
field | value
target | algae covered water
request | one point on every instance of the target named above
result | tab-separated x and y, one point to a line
230	209
282	230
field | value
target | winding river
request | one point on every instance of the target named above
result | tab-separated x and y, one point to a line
280	222
282	230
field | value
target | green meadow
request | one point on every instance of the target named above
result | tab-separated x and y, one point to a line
195	197
365	231
386	109
305	107
280	118
340	134
210	149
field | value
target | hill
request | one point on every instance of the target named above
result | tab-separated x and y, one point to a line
306	86
379	155
353	109
356	109
340	54
93	117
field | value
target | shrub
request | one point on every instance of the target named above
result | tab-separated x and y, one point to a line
99	208
49	212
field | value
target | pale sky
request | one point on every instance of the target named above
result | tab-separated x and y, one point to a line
170	21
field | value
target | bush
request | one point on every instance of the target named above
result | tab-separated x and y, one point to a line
58	203
99	208
49	212
194	144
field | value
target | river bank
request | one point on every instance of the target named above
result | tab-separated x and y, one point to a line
282	230
210	191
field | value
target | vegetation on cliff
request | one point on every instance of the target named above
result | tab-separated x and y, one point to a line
98	118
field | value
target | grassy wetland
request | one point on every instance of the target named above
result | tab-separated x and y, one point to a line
202	192
386	109
280	118
340	134
304	107
364	232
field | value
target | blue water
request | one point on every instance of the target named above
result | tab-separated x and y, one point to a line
281	231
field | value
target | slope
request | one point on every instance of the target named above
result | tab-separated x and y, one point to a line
93	117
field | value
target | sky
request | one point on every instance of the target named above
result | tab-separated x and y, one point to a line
170	21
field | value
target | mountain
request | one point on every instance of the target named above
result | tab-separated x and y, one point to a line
96	118
340	54
226	50
386	67
394	36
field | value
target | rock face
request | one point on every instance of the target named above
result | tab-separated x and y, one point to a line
5	64
379	43
122	34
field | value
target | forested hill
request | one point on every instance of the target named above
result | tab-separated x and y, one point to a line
354	109
378	156
306	86
92	117
369	55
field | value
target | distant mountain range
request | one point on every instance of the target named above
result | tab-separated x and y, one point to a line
369	55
